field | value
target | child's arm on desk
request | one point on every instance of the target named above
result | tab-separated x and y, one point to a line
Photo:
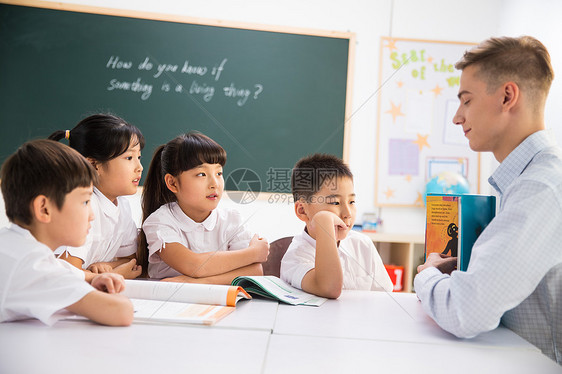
77	262
200	265
326	279
226	278
105	305
126	266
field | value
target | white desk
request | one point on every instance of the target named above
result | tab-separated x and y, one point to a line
255	314
83	347
397	317
305	354
360	332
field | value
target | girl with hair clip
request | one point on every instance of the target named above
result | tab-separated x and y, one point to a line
186	237
113	147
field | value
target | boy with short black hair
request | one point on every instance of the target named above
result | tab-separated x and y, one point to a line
328	255
47	188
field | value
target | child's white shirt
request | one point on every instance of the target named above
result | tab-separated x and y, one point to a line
33	283
223	230
113	232
361	263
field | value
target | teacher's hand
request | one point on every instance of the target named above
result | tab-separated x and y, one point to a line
443	263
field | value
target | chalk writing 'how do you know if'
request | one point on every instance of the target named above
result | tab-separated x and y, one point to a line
158	69
206	91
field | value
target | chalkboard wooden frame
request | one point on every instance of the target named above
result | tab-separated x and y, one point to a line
344	123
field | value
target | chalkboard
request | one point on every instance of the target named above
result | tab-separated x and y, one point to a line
268	97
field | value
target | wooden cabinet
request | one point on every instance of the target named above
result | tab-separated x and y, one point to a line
400	249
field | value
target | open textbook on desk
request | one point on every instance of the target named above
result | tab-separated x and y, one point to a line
276	289
179	303
169	302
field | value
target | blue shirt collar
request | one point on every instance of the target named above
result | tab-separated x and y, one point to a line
516	162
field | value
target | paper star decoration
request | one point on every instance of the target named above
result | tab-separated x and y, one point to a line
395	111
419	200
408	178
430	59
389	193
421	141
437	90
400	84
391	45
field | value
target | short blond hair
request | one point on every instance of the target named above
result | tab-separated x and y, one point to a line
523	60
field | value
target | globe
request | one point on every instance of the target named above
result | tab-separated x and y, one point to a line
447	183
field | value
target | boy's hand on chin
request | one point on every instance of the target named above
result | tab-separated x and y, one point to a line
328	222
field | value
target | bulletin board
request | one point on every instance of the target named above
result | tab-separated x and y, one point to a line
416	137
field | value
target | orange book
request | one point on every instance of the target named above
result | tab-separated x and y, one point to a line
454	222
442	222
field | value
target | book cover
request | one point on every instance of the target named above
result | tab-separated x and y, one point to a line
454	222
274	288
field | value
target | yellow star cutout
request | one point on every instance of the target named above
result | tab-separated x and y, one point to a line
408	178
395	111
389	193
419	200
430	59
437	90
421	141
400	84
391	45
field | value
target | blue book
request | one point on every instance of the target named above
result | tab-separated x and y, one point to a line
454	222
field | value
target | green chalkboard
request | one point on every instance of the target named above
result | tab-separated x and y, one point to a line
268	97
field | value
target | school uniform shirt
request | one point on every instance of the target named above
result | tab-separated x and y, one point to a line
113	232
33	283
361	263
223	230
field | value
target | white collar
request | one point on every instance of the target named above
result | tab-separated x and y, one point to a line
186	224
26	234
20	230
106	205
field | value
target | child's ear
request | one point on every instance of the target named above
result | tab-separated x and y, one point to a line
300	210
41	209
171	183
94	163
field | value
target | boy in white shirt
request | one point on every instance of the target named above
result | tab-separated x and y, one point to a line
328	255
47	188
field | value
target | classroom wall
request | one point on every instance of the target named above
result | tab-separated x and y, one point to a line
369	20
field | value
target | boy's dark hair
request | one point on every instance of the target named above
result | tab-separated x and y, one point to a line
524	60
184	152
101	137
42	167
312	172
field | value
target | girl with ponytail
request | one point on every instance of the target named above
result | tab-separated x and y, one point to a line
113	147
186	236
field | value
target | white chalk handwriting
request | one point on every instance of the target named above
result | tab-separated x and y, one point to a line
202	79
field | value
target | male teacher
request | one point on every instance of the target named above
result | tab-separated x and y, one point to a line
515	271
